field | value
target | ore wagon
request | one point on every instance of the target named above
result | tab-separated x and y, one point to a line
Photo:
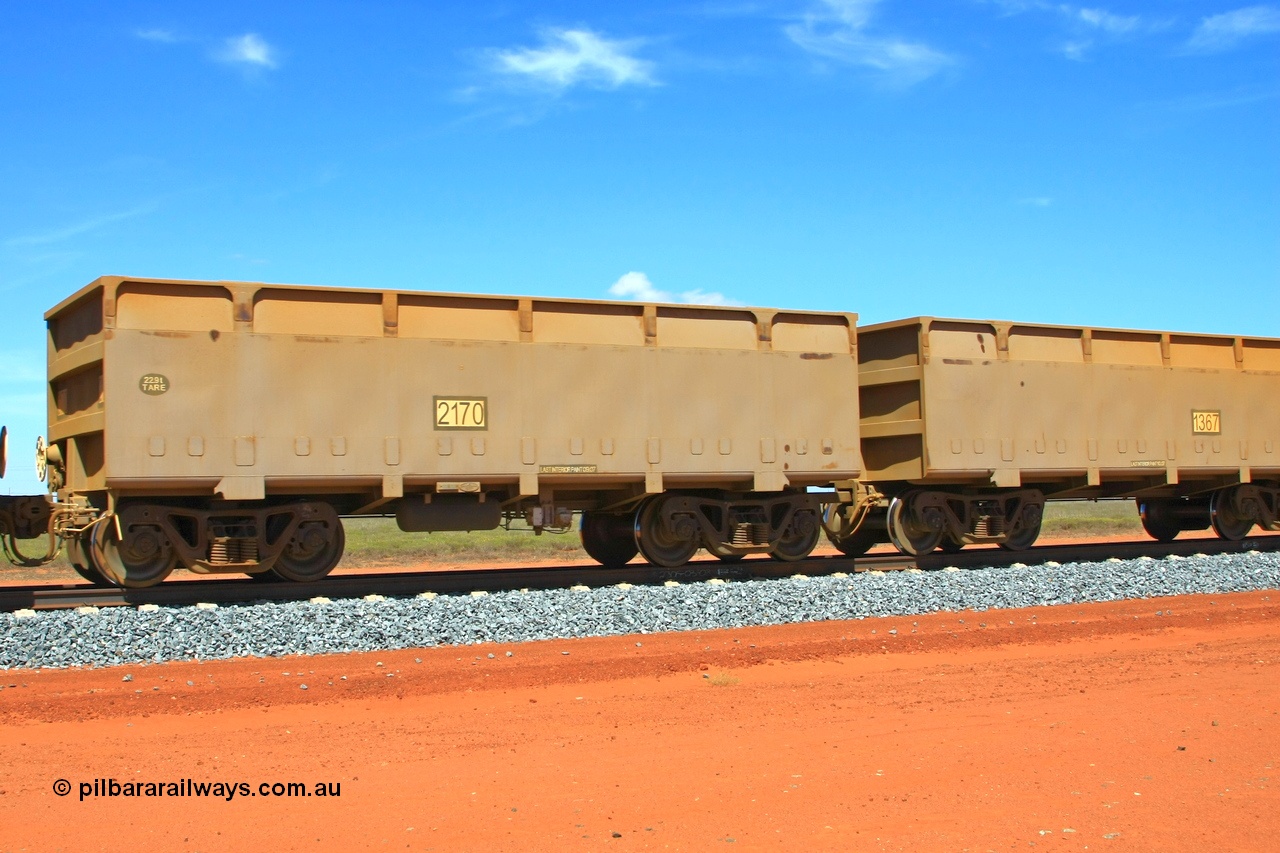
968	427
229	426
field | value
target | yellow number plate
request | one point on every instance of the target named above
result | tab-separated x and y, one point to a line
461	412
1206	423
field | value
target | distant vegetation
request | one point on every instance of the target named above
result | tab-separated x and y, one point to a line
1084	519
379	542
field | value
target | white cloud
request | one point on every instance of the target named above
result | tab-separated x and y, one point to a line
577	57
1104	20
57	235
1076	50
1036	201
703	297
160	35
836	29
249	50
1225	31
1087	26
636	286
1220	100
1088	22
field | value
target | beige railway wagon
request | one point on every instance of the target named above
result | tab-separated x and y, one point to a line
226	426
969	426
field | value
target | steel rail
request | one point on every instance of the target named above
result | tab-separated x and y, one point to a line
242	590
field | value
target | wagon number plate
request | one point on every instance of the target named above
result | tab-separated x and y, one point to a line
461	412
1206	423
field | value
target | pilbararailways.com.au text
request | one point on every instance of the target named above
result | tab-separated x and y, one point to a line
192	788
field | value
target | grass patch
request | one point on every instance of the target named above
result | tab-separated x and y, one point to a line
722	679
379	542
1084	519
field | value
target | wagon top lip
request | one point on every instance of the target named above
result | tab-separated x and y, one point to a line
924	319
115	280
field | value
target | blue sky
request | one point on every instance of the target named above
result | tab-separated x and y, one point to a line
1111	165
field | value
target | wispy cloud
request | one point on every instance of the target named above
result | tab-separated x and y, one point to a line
159	34
1224	32
1090	25
1087	26
636	286
576	57
1219	100
249	50
1036	201
705	297
1103	20
57	235
838	30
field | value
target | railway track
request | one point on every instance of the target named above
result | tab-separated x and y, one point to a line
241	590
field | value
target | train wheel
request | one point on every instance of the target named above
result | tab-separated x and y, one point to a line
144	559
609	537
660	546
950	544
78	557
1227	522
909	534
314	549
1027	528
1156	522
1023	538
799	539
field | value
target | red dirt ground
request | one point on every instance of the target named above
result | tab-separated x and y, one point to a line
1149	725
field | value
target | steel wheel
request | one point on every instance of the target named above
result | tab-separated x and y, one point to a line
798	540
78	557
609	537
144	559
1023	538
1227	521
906	533
1156	521
950	544
660	546
314	549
